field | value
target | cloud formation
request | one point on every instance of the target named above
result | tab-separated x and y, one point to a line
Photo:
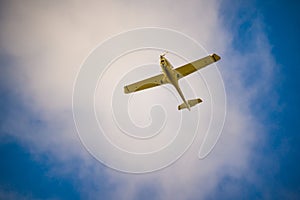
47	43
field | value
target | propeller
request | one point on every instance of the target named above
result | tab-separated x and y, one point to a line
164	53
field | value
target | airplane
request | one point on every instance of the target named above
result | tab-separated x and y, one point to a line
170	75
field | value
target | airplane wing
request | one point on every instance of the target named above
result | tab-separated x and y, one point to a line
145	84
196	65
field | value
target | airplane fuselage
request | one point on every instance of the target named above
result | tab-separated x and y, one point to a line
172	77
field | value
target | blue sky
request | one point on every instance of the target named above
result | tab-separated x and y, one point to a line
282	32
37	165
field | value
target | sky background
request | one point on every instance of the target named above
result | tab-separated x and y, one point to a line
42	45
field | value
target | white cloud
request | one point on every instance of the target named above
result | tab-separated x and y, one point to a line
49	42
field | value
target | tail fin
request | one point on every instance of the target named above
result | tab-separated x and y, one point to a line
191	103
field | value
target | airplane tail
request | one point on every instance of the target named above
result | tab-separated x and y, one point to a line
191	103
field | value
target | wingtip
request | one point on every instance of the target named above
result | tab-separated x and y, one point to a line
126	90
215	57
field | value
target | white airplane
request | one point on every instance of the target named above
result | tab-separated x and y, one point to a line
171	75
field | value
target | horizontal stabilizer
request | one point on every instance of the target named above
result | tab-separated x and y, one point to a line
191	103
